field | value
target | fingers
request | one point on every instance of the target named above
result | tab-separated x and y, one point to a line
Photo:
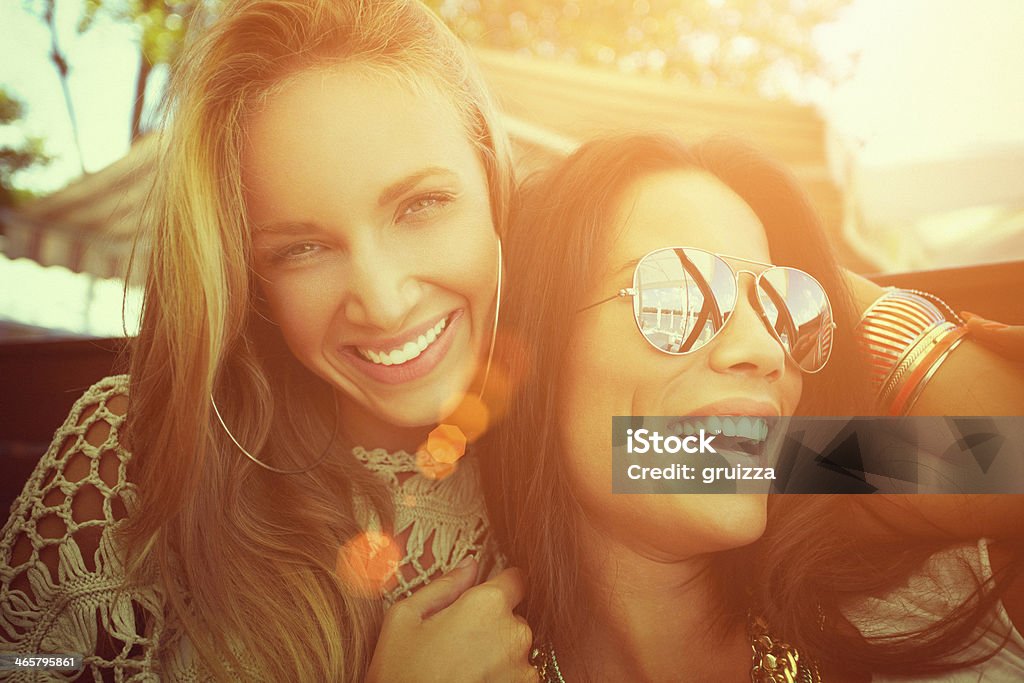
1007	340
504	591
442	592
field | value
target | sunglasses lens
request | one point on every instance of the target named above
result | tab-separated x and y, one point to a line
799	312
684	296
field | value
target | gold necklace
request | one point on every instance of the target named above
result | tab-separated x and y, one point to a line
772	660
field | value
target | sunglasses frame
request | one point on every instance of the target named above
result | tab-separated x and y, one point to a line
630	292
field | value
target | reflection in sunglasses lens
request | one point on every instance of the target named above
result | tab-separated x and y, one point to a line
685	296
798	311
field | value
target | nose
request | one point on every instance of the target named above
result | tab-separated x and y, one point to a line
745	345
382	289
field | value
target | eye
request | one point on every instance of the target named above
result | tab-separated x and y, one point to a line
425	205
298	251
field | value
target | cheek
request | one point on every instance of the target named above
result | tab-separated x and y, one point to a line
471	259
793	389
302	308
593	390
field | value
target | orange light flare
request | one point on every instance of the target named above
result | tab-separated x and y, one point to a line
438	457
469	416
366	563
474	414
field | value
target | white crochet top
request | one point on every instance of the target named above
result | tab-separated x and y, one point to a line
79	491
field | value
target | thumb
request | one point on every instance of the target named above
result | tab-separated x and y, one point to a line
442	592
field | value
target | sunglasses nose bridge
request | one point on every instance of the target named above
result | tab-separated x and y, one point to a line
744	345
752	297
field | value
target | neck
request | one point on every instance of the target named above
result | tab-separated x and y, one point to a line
361	427
652	620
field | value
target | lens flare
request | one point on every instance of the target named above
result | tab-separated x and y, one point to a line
367	562
432	468
470	415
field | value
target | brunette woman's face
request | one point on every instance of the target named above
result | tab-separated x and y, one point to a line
612	370
373	241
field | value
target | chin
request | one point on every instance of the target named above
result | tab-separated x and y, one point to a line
742	518
410	416
728	521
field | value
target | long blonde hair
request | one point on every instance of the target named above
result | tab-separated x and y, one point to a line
246	558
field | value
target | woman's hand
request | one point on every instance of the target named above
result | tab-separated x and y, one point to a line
454	631
1006	340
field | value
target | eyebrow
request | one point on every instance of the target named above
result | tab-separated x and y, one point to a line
388	195
400	187
285	228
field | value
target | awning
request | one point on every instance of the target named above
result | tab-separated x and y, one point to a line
90	225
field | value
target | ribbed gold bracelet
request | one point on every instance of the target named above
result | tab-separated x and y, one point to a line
907	334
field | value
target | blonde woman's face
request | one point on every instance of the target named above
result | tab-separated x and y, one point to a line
373	240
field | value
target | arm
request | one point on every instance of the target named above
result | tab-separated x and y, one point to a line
973	380
983	376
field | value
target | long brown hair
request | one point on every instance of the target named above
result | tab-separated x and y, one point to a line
561	233
254	551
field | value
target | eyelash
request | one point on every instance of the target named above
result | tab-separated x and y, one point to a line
287	254
437	201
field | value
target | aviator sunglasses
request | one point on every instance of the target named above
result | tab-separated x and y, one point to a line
683	297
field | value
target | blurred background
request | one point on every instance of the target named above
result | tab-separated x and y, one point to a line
901	117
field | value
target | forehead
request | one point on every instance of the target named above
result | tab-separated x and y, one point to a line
345	131
686	208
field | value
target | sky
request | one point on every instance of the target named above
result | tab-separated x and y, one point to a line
935	79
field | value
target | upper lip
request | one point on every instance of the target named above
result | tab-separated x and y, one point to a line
383	344
737	406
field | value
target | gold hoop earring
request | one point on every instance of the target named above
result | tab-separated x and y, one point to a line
271	468
494	330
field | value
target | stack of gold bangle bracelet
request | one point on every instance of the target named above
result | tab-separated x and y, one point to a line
907	335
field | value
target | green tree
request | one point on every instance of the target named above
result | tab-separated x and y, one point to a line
756	46
162	26
47	11
15	158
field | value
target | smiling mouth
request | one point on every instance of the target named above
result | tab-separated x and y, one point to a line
408	351
740	434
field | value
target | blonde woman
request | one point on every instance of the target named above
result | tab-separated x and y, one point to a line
321	291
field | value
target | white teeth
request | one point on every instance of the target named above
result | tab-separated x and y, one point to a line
755	428
408	351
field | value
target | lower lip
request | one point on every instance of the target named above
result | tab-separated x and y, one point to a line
745	459
419	366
